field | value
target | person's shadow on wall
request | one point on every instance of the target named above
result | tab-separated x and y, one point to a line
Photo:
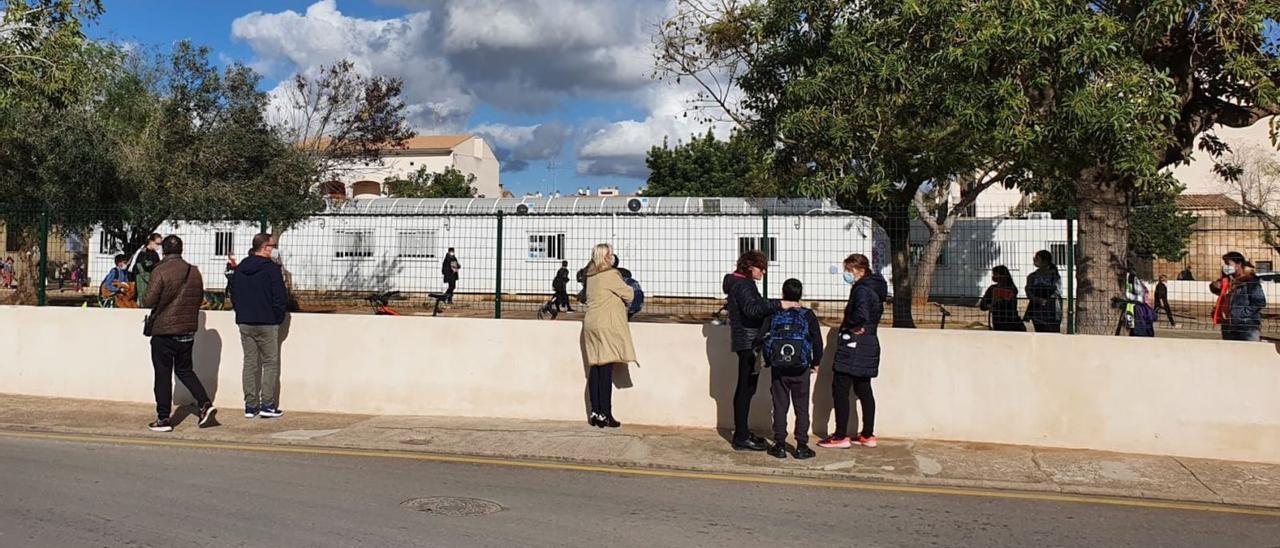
724	382
283	335
206	359
820	396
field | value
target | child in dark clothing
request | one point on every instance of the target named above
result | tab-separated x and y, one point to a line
784	341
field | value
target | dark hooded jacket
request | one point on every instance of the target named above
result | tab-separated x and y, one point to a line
260	297
859	354
747	310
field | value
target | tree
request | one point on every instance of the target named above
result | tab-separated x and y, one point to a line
1252	175
342	120
707	166
1103	94
42	50
865	103
425	183
194	144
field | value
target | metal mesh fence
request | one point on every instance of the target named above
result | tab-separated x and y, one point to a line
506	263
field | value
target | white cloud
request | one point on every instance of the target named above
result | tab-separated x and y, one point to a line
619	148
528	56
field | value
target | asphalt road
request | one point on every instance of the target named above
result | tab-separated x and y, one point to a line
59	493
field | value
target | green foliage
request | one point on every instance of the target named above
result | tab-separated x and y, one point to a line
706	166
425	183
44	56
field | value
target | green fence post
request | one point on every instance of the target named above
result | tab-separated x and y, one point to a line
263	225
43	265
497	278
1071	275
764	246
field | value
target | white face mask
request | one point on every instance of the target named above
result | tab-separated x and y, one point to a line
849	277
275	254
1228	270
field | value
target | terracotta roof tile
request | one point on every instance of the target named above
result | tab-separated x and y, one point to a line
1206	201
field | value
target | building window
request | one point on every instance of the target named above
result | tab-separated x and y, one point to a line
752	243
223	244
546	246
711	205
917	252
353	244
416	244
1059	252
11	237
109	244
1265	266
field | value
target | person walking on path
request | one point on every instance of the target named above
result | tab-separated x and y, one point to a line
174	299
449	269
857	359
1240	300
606	336
1044	294
1162	300
747	311
146	262
260	304
1001	300
561	287
791	343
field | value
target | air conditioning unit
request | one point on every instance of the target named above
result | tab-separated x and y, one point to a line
1039	216
523	209
636	205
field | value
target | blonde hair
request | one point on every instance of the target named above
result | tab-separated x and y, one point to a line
601	259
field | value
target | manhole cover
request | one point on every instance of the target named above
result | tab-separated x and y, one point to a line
452	506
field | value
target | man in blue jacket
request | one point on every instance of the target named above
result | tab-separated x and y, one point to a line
259	302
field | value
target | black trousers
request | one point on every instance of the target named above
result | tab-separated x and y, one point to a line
1168	310
861	386
561	300
600	388
171	357
448	293
787	392
1046	327
748	379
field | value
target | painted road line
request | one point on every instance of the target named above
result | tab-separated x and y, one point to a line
658	473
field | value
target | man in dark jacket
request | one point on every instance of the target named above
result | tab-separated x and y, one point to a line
747	311
260	302
449	269
174	299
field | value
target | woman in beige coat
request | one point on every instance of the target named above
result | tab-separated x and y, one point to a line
606	337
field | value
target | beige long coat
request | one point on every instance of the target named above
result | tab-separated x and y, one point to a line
606	337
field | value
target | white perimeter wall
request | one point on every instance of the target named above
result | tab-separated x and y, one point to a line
1207	399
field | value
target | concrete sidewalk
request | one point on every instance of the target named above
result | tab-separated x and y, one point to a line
922	462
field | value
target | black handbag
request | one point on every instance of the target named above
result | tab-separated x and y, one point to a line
149	322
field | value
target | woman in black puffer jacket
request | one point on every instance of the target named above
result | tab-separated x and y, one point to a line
747	311
857	358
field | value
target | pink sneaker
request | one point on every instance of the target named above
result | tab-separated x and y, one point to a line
832	442
866	441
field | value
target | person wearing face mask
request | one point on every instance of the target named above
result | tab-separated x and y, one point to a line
146	261
857	358
1001	300
1240	300
260	302
747	311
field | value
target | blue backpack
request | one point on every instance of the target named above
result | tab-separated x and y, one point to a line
637	302
787	344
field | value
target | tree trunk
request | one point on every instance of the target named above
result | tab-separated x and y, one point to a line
1104	243
928	263
28	266
898	225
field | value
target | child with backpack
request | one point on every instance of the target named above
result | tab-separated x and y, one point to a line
637	303
792	347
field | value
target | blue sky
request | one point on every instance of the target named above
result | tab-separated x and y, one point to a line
559	83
